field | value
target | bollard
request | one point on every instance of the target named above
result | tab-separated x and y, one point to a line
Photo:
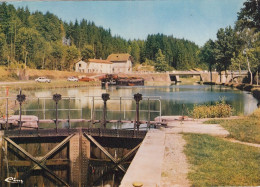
20	98
105	97
56	97
138	97
137	184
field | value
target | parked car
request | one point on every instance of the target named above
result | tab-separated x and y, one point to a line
43	79
86	79
73	79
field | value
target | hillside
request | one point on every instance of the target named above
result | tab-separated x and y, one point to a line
43	41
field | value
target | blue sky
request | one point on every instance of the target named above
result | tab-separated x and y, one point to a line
195	20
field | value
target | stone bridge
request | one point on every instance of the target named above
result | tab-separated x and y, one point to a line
206	77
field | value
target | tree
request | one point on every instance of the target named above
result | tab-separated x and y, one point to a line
72	55
58	53
207	55
135	51
249	15
27	44
87	52
251	50
160	63
225	48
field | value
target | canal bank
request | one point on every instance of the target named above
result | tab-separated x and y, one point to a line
160	160
254	89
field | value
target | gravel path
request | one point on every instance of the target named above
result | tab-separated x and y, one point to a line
175	166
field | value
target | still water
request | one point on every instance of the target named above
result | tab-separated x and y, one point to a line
173	100
170	100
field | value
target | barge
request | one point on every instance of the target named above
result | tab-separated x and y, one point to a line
112	79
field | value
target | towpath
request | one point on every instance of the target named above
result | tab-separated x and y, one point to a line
160	160
175	166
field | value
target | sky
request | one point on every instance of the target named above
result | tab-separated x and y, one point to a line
194	20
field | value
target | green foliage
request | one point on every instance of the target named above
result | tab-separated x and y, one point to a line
160	63
217	162
249	15
219	110
44	41
225	47
87	52
207	54
179	53
245	129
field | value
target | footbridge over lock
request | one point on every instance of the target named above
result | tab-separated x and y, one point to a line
87	155
206	76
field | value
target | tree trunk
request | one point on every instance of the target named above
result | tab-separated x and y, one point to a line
25	58
249	69
257	78
210	69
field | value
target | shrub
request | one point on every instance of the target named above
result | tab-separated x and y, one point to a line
219	110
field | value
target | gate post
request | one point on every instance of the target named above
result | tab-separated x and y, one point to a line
138	97
56	97
79	153
20	98
1	159
105	97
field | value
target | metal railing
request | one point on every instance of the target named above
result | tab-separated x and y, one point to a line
122	110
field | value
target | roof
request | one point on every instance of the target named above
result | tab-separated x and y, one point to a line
123	57
98	61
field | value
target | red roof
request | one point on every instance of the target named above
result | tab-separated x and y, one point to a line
99	61
123	57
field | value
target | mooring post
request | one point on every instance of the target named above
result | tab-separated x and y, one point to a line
20	98
56	97
93	110
69	115
105	97
1	159
138	97
149	113
6	114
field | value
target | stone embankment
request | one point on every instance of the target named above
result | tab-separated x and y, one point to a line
150	77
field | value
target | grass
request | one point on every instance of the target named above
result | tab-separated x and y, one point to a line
213	121
216	162
53	85
246	129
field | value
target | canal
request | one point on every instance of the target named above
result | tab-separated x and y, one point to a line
78	103
174	99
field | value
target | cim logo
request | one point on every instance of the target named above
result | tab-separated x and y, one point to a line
13	180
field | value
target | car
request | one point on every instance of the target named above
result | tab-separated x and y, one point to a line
86	79
43	79
73	79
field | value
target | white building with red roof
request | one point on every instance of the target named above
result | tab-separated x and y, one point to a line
94	66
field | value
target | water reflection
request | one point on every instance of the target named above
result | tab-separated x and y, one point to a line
176	99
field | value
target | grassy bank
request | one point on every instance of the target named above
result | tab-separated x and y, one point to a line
31	74
216	162
246	129
53	85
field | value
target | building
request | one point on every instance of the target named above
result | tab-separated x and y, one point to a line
122	63
94	66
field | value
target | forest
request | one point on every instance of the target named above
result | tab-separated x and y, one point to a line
43	41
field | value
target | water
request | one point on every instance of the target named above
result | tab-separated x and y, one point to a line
175	100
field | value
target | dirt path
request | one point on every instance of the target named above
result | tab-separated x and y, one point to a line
244	143
175	166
